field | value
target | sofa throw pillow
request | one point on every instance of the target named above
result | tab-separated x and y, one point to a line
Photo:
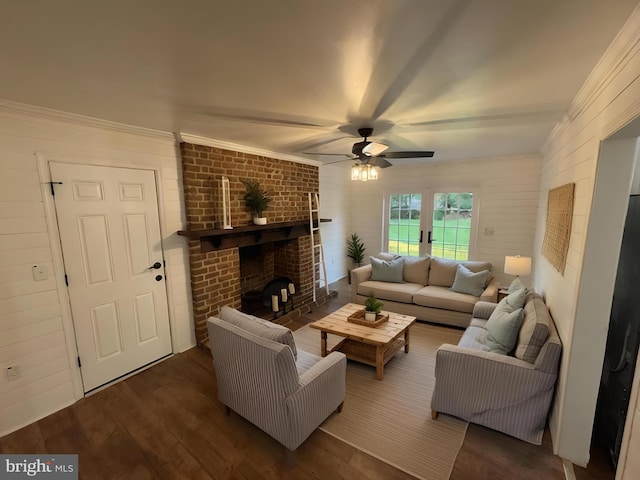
505	322
503	327
387	270
443	271
259	327
515	299
515	285
416	270
469	282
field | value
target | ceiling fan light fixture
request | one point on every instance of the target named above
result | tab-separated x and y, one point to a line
364	173
373	149
355	172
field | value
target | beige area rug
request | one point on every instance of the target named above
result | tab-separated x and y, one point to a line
391	418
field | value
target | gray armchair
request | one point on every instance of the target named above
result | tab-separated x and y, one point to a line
261	376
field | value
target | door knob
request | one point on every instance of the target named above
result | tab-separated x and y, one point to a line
155	266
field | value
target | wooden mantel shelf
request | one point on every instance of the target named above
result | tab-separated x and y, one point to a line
247	235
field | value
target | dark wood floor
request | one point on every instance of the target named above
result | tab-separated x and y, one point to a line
166	422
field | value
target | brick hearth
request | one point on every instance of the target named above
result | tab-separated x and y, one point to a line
216	278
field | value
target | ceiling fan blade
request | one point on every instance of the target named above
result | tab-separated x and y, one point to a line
351	159
313	143
269	118
416	154
379	162
333	154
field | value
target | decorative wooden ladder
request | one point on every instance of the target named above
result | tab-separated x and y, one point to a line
317	252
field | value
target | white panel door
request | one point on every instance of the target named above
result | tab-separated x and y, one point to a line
110	233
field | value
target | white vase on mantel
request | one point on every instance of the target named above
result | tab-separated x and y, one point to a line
370	316
259	220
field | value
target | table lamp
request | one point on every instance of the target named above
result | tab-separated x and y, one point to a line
517	265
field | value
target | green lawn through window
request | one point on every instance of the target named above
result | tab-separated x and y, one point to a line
444	239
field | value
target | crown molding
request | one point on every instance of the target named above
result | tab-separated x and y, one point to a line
615	58
209	142
42	113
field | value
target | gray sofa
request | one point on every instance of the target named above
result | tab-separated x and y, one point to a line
425	289
262	376
509	393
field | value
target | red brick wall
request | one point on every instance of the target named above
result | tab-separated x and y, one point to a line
288	184
215	281
215	276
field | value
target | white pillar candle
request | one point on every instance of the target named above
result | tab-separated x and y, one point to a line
283	293
292	288
274	303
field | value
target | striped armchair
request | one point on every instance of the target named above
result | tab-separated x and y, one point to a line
508	393
261	376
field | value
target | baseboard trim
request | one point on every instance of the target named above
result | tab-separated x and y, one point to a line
569	473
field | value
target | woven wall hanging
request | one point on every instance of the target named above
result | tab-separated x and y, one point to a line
558	228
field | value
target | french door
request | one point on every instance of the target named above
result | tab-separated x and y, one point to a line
423	222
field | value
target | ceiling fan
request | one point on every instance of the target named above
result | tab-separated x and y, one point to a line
371	153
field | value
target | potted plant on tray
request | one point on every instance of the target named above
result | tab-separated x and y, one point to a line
355	251
372	307
257	200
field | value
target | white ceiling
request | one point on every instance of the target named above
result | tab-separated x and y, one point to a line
467	79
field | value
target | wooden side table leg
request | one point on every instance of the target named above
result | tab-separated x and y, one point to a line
406	341
379	362
323	343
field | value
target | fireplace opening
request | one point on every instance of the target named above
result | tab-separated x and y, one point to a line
265	271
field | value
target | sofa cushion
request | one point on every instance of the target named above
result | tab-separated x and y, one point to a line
396	292
503	327
534	330
470	282
305	361
443	271
441	297
387	270
474	337
259	327
416	270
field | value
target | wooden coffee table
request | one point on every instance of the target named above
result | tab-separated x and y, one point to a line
373	346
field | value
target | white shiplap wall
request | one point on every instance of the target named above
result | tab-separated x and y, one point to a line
609	99
507	191
33	334
334	204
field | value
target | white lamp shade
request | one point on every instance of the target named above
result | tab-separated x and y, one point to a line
517	265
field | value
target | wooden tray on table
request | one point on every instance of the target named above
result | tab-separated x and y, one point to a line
358	317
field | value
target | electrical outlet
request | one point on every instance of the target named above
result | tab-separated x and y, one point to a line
13	372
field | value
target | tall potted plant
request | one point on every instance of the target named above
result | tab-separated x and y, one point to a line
257	200
355	251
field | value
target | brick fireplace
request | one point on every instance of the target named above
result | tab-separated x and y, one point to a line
226	264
